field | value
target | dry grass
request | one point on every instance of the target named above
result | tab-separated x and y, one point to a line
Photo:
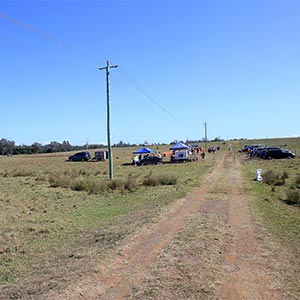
49	207
278	218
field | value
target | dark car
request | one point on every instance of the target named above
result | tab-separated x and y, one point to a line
150	160
261	152
279	153
249	148
80	156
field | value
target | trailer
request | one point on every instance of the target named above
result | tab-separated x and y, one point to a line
180	152
181	155
101	155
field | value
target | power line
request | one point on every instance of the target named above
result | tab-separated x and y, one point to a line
88	53
136	98
50	54
46	35
143	92
68	45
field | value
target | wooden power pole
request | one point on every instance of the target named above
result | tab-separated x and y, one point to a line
110	157
205	130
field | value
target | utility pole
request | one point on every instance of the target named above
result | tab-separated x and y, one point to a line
110	157
205	128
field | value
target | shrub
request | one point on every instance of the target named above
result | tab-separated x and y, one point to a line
285	175
92	186
151	181
167	179
59	181
163	179
121	185
116	185
131	184
80	184
274	179
100	187
293	197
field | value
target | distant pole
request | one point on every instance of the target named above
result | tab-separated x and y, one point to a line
110	157
205	129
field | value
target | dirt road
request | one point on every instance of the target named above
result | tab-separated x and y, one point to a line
207	246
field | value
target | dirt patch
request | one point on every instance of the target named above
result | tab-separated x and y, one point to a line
245	265
127	266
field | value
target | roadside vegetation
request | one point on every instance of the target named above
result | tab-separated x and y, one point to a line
277	195
58	217
276	200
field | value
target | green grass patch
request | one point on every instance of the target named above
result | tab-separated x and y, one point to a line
52	211
277	209
270	197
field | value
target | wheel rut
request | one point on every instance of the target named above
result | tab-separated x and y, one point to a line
243	273
245	267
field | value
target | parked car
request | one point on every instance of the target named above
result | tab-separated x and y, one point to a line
249	148
150	160
279	153
80	156
261	152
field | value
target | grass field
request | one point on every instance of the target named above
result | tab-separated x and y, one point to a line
56	216
48	223
274	202
271	199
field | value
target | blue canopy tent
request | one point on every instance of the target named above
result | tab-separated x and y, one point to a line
179	146
143	150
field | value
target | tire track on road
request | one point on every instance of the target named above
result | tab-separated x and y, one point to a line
125	271
245	269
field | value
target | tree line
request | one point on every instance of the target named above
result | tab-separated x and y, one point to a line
8	147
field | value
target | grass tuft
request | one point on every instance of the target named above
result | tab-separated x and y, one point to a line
168	179
22	173
274	179
131	184
59	181
163	179
292	197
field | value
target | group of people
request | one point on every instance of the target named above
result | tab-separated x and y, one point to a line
195	157
196	150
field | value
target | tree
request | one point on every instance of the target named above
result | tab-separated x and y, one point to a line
65	146
217	139
36	147
6	147
52	147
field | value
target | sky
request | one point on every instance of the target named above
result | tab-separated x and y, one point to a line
233	65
